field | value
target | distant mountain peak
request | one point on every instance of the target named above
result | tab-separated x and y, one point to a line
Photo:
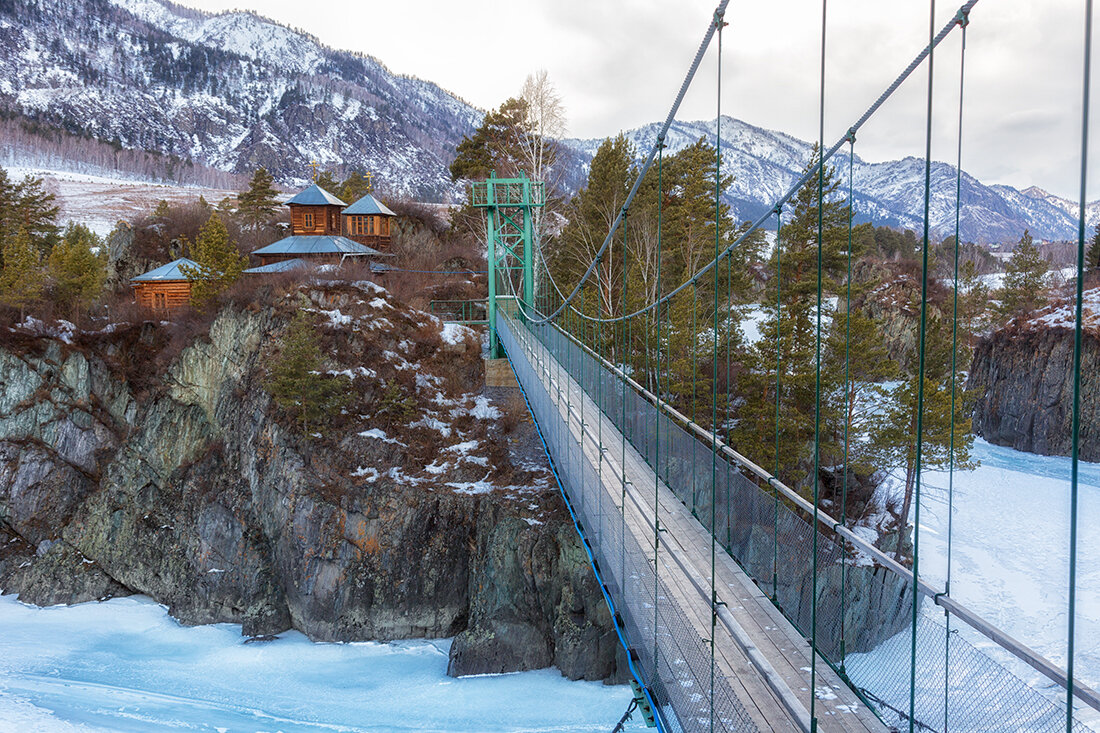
766	163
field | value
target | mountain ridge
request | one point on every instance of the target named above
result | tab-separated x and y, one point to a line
768	162
234	90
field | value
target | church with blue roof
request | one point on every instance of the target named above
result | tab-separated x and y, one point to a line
323	231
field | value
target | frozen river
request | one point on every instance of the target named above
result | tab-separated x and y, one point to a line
125	665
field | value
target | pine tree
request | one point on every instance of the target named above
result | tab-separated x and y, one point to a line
36	212
326	179
77	272
893	440
353	188
1092	258
1024	290
296	380
497	145
791	332
219	262
258	204
22	278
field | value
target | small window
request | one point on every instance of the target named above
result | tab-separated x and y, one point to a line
307	220
160	301
386	227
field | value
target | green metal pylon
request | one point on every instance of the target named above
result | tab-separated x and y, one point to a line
509	205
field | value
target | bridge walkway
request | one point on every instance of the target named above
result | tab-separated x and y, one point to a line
758	653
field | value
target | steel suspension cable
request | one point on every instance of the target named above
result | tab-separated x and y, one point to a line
816	478
823	158
657	426
1075	427
714	360
649	159
848	396
778	363
963	21
920	379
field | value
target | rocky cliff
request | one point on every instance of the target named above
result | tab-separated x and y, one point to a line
1022	376
148	458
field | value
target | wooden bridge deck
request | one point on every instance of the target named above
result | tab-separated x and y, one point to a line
762	656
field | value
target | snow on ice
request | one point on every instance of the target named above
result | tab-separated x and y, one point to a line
125	666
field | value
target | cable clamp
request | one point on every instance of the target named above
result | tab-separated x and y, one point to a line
963	17
719	21
778	209
851	136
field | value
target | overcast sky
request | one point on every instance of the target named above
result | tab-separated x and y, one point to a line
619	64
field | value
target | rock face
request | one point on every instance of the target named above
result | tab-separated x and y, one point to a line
1022	376
149	459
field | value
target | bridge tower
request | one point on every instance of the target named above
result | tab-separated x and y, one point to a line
509	205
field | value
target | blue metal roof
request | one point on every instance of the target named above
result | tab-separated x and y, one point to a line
306	245
280	266
171	271
316	196
368	205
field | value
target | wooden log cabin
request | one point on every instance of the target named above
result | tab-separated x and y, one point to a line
315	212
165	289
316	224
368	221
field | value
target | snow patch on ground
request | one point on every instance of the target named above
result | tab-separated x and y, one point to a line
378	434
455	333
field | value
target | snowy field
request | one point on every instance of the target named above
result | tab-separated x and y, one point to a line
99	202
125	665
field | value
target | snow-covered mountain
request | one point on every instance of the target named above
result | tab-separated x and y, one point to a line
231	91
765	164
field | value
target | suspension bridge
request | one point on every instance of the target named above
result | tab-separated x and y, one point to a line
742	604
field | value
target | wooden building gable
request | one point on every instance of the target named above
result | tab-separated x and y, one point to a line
368	221
315	212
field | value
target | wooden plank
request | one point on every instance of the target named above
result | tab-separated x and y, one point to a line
772	634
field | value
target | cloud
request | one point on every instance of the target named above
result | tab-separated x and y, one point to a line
619	65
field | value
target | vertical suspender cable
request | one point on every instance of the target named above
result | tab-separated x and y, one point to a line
920	377
963	21
1077	341
694	387
847	410
778	365
817	390
714	359
657	427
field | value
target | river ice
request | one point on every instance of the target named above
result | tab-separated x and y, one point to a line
125	665
1010	557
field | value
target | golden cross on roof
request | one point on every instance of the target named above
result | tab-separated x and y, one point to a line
314	165
370	181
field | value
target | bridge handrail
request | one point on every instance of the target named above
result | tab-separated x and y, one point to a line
1017	648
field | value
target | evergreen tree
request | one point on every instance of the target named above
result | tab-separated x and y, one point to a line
353	188
257	205
22	278
791	332
1024	290
893	440
296	380
326	179
497	145
27	206
77	272
219	262
592	212
36	213
1092	257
